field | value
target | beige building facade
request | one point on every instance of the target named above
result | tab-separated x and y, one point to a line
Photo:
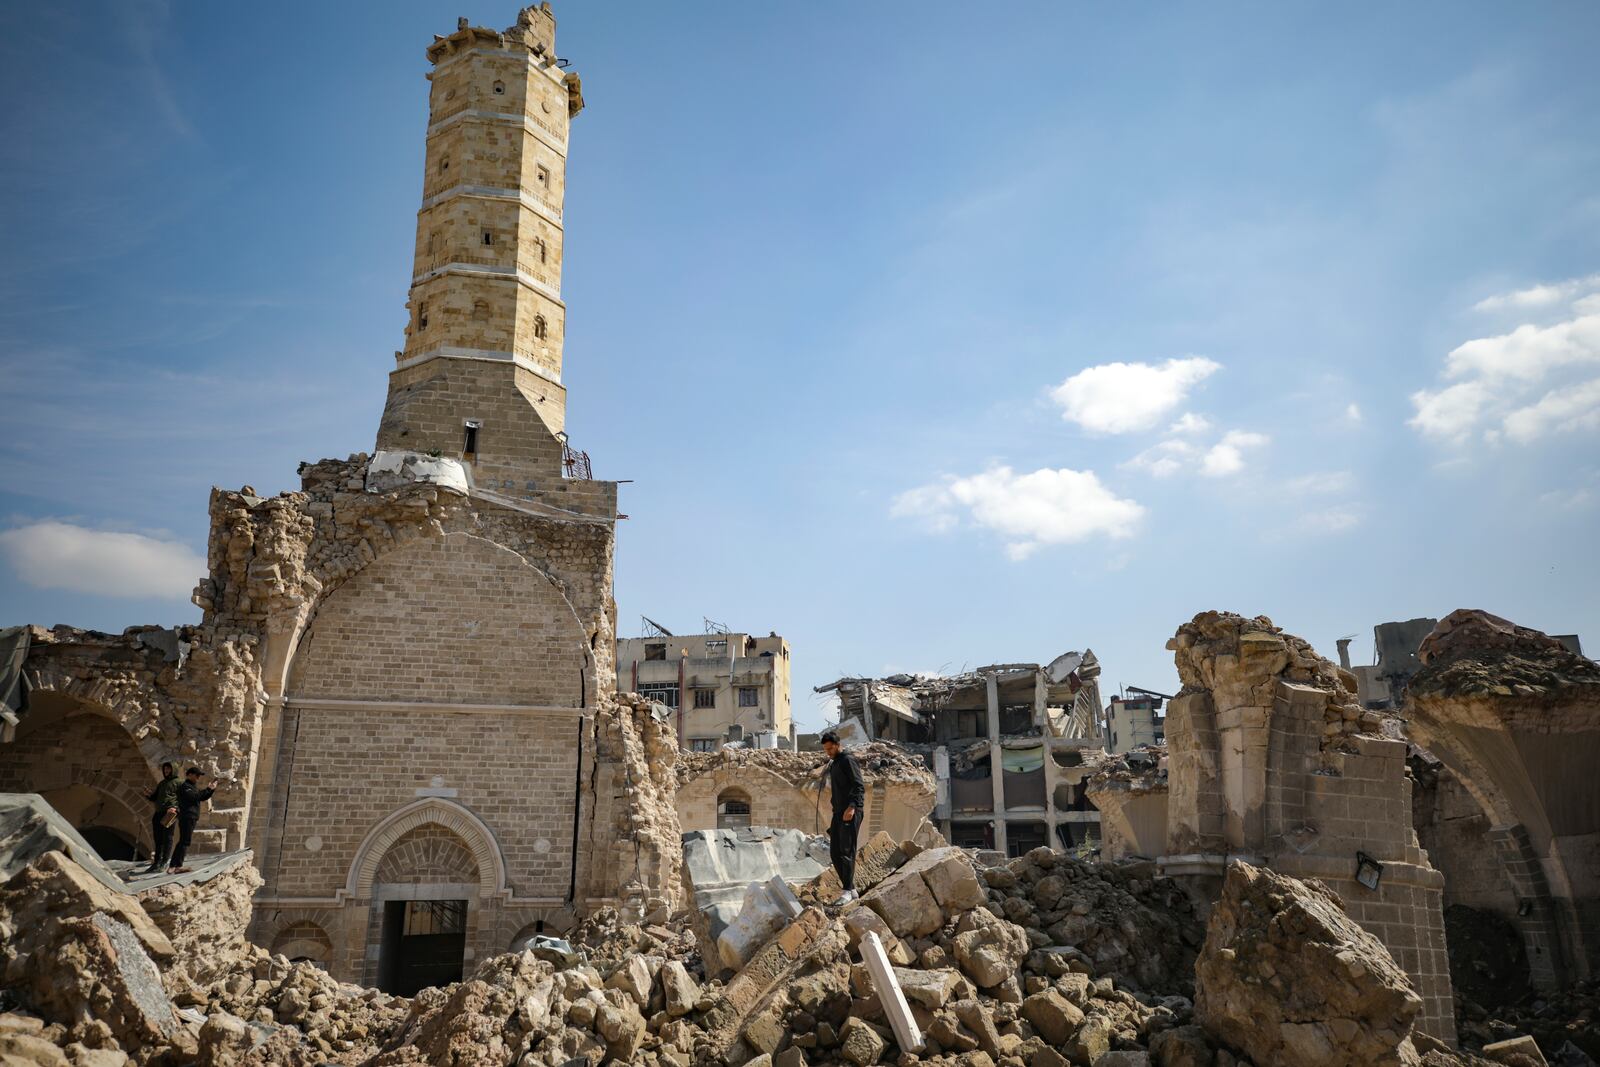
720	687
403	677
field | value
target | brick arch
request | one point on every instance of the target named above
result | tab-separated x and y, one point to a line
120	792
303	938
418	620
121	701
431	811
428	853
66	746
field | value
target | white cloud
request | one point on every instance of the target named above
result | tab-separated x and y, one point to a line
59	555
1227	455
1165	459
1529	352
1524	385
1125	397
1190	423
1353	413
1045	507
1558	411
1538	296
1449	414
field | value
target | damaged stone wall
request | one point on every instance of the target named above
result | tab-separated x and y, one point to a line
631	840
1515	717
189	695
790	790
275	693
1270	757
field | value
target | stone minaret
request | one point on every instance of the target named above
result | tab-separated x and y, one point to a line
480	377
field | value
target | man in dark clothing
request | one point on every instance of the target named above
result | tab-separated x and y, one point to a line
849	797
165	798
190	797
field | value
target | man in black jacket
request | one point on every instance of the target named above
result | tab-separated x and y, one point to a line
190	797
849	797
165	797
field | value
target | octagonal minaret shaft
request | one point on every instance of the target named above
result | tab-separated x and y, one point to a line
480	375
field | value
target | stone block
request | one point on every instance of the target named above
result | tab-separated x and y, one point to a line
1053	1015
860	1044
1521	1050
907	905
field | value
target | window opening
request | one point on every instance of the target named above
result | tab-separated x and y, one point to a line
705	698
470	445
539	328
661	692
749	696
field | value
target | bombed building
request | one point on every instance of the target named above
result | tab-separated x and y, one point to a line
402	677
1010	746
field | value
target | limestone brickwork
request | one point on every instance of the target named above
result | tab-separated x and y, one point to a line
787	790
404	676
1270	759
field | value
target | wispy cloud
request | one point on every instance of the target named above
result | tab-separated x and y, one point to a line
1521	386
61	555
1539	296
1043	507
1223	457
1127	397
1321	483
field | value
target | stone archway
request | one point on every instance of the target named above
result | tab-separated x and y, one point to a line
76	754
303	939
435	879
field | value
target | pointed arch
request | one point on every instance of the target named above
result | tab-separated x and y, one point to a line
472	831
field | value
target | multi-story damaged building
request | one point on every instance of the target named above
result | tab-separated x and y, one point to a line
402	677
721	687
1010	746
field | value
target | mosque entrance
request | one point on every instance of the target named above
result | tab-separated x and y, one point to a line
424	944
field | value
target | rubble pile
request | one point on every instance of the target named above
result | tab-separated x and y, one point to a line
1565	1024
1471	652
880	761
1287	977
1123	918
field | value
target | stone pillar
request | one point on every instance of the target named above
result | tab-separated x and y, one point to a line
997	772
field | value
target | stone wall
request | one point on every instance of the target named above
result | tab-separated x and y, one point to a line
1515	716
1272	759
788	790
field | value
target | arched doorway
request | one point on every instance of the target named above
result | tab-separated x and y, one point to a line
428	870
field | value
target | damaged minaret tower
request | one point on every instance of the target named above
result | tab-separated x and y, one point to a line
403	674
480	375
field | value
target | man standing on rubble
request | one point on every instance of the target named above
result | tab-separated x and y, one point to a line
190	797
162	821
849	797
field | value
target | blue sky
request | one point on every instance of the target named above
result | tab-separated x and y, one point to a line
929	335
